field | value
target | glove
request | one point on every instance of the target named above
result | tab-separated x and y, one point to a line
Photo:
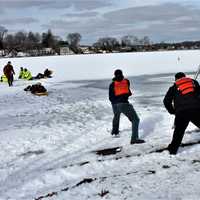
172	112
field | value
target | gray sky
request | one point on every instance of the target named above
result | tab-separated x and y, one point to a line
161	20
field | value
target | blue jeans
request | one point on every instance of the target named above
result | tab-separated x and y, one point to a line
128	110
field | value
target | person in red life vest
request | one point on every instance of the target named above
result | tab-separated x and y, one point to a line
119	92
9	72
183	100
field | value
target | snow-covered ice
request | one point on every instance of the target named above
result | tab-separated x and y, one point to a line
47	143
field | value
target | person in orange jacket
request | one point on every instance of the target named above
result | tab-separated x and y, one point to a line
119	92
182	100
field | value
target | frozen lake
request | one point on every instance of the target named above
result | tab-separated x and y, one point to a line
47	144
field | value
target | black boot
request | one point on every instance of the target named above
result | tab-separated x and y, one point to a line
137	141
172	150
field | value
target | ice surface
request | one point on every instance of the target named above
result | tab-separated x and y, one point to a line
47	143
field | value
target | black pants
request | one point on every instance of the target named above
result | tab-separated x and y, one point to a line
182	120
10	79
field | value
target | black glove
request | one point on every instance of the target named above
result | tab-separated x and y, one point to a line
172	112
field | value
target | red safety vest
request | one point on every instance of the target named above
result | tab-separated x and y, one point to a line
185	85
121	87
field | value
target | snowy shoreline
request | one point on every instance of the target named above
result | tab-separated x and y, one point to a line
47	143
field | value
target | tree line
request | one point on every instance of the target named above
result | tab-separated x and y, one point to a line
36	44
30	42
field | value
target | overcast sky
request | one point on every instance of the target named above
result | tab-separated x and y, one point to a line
161	20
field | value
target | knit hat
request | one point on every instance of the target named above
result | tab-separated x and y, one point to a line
179	75
118	72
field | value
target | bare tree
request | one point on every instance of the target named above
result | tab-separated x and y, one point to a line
20	40
9	43
38	39
33	43
107	43
129	40
3	31
48	39
73	41
145	41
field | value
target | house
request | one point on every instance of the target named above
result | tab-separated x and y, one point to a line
2	53
22	54
86	49
65	50
48	51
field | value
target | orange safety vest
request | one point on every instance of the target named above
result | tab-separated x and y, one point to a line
185	85
121	87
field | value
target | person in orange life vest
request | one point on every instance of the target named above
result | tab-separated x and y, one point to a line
119	92
183	100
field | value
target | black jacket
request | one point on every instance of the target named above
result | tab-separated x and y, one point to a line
35	88
175	102
120	98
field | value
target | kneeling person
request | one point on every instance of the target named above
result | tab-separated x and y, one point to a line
4	78
37	89
27	75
